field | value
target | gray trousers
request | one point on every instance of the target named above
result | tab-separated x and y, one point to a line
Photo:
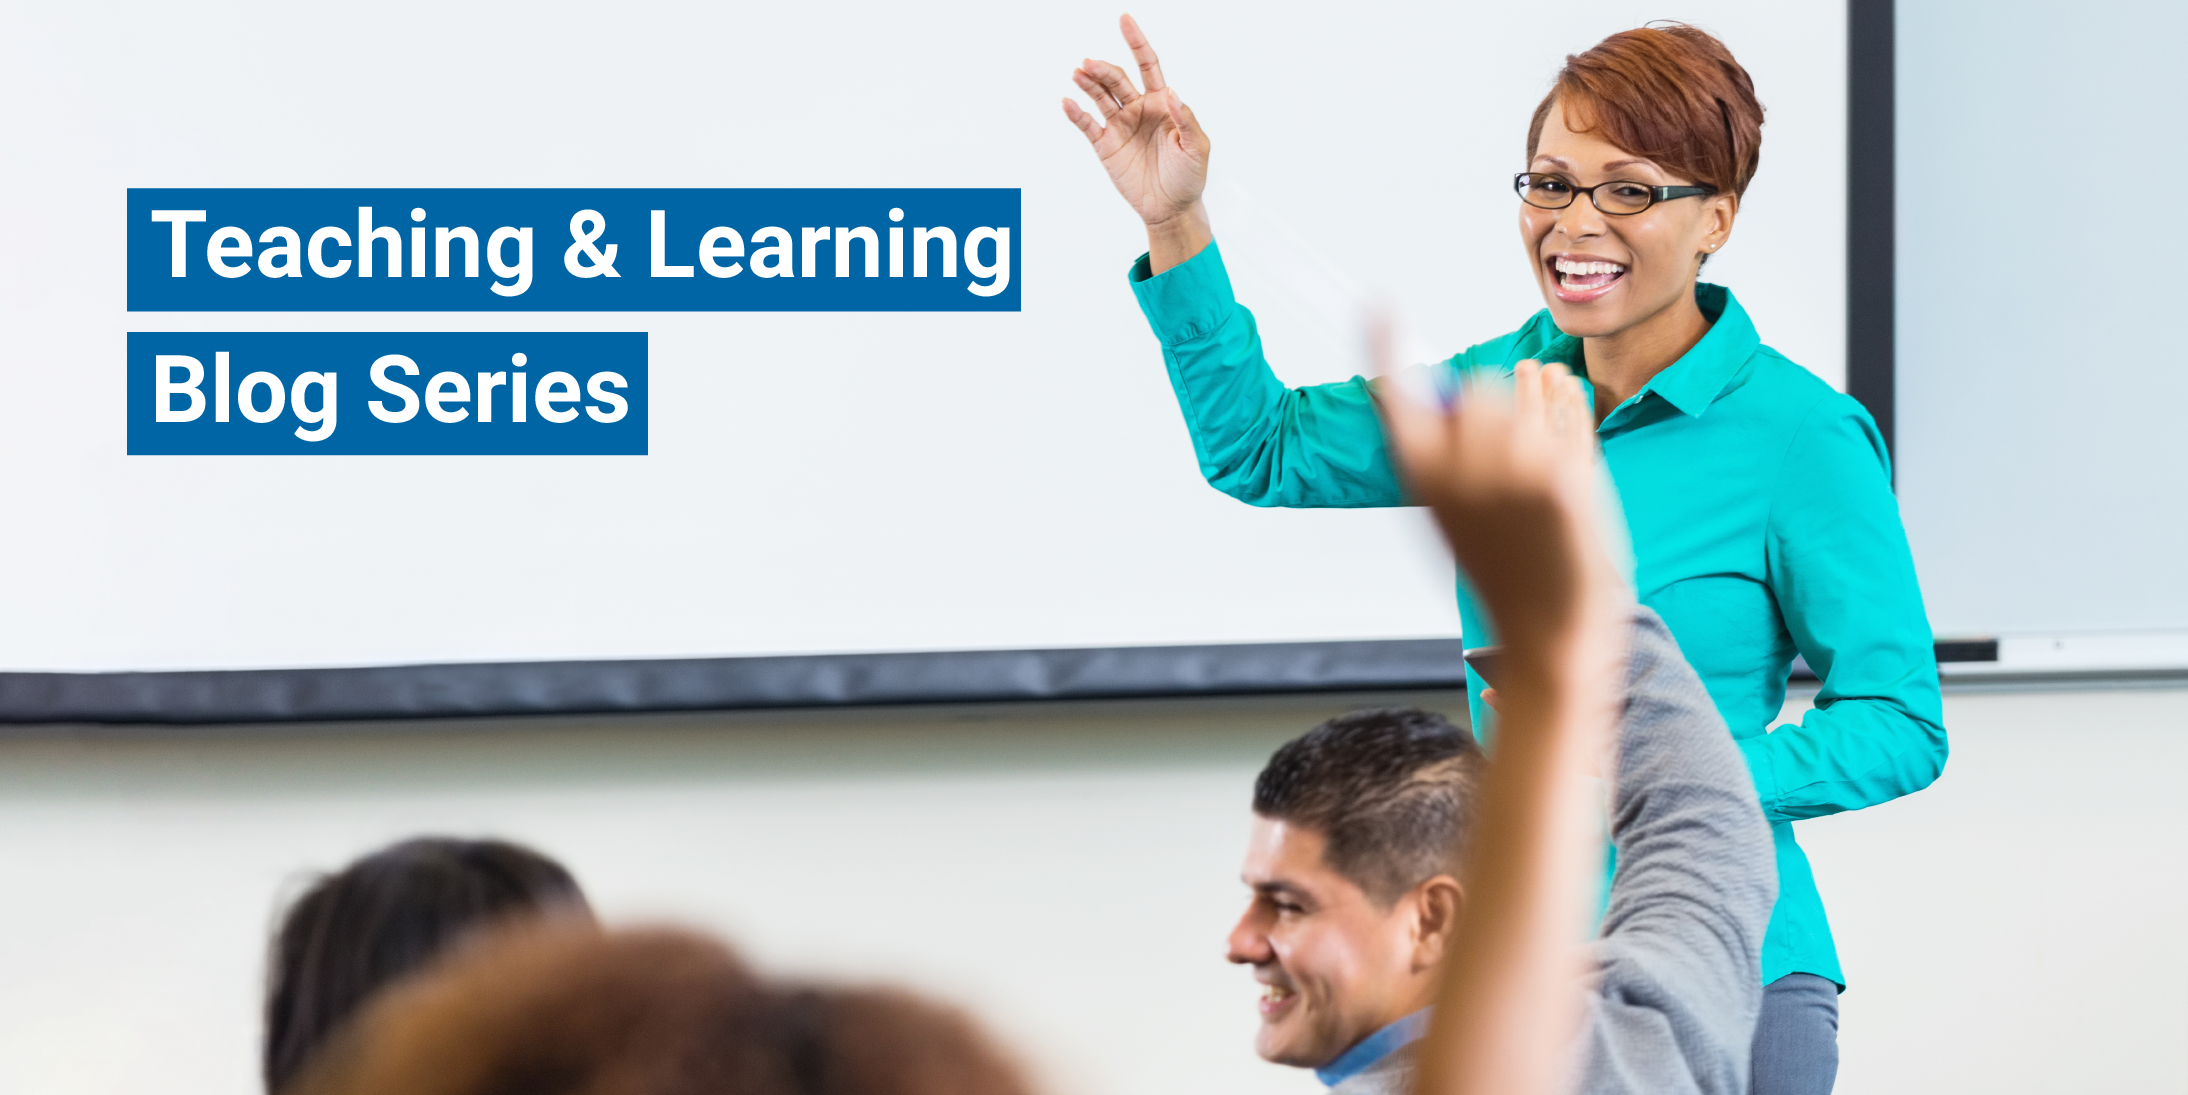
1797	1037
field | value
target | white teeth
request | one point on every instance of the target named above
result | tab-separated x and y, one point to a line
1582	269
1273	993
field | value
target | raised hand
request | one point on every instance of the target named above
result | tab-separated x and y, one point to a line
1155	152
1511	479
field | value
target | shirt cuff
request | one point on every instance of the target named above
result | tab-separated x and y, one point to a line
1189	301
1756	751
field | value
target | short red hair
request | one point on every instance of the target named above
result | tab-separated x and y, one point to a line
1670	93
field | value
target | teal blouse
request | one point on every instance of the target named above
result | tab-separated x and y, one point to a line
1763	526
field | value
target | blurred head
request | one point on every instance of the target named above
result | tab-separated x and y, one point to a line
568	1009
1358	832
385	916
1658	106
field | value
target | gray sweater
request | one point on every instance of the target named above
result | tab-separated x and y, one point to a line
1673	1011
1681	948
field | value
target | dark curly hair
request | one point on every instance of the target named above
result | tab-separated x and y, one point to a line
568	1009
384	916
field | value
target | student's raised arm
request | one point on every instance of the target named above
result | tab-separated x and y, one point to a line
1256	440
1511	482
1676	968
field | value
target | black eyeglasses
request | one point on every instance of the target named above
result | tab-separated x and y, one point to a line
1618	198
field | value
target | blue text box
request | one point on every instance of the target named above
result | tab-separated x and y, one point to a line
437	393
476	250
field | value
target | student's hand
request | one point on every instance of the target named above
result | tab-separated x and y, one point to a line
1153	149
1511	479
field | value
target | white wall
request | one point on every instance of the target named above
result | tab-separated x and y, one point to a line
2019	927
1067	871
2037	498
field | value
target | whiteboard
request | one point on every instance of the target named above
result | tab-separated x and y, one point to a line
2038	381
813	482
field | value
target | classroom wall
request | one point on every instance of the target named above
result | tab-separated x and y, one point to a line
1068	871
2018	927
1991	333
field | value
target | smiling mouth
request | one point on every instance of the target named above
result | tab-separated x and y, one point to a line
1578	280
1274	998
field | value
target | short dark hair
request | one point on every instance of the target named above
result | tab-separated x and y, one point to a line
383	916
1390	790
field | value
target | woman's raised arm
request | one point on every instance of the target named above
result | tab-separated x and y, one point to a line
1154	150
1256	440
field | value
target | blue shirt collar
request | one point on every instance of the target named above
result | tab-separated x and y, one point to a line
1374	1048
1694	381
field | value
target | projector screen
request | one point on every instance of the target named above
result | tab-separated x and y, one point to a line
988	459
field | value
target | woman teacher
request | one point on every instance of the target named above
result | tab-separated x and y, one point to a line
1759	499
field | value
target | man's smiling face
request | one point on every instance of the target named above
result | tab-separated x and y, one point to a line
1335	964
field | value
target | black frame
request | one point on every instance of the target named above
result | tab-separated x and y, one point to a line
1870	225
574	687
700	684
